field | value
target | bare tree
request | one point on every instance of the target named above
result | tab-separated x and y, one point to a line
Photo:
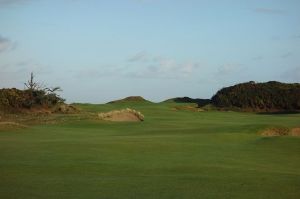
40	94
31	84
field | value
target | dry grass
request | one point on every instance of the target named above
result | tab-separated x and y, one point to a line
295	132
280	131
11	125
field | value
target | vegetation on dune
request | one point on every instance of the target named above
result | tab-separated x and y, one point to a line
65	108
15	100
34	96
269	96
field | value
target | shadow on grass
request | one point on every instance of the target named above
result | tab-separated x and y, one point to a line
278	112
199	102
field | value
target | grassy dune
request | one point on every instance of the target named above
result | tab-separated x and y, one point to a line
172	154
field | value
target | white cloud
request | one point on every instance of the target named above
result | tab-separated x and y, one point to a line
270	11
98	72
228	69
151	66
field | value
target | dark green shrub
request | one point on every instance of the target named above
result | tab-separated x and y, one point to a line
260	96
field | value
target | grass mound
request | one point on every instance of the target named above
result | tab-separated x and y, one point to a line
130	99
123	115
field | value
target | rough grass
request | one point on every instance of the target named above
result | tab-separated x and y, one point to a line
172	154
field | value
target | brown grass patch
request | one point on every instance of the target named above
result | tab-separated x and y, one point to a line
295	131
281	131
275	132
11	125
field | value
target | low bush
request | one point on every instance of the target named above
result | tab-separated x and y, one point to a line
14	99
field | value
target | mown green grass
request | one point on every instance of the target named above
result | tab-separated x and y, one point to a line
172	154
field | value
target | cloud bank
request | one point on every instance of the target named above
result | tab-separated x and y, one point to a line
146	65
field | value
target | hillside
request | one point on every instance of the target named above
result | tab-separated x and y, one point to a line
129	99
270	96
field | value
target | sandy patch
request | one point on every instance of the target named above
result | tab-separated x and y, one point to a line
123	115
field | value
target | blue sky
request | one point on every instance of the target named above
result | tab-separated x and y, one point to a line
102	50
